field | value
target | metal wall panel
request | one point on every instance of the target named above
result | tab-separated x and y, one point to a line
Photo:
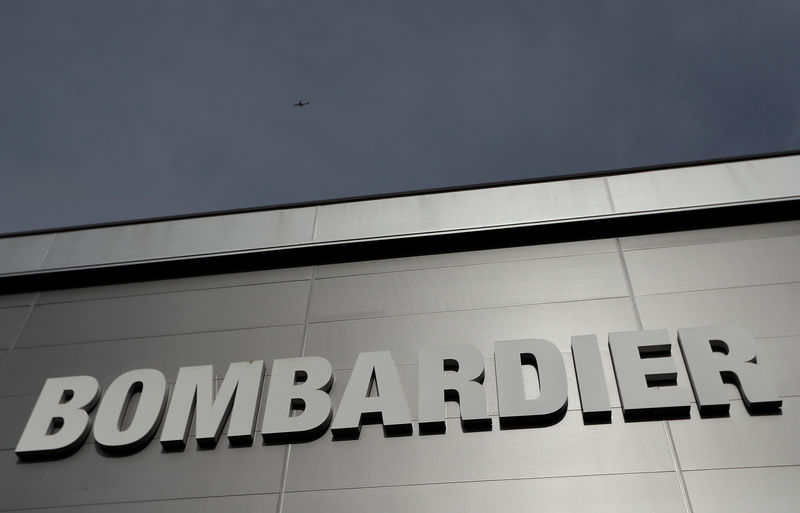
744	490
765	311
341	341
458	288
740	440
781	359
89	477
11	320
166	314
634	493
706	185
745	232
567	448
718	265
28	368
3	355
181	237
175	285
14	413
467	258
20	254
9	300
238	504
463	209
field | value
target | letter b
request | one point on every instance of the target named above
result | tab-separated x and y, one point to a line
60	421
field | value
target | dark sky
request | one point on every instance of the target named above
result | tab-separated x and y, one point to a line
113	110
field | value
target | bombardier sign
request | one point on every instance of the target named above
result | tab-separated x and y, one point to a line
298	406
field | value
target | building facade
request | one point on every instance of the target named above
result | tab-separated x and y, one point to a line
663	249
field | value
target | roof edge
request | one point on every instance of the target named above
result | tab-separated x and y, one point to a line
556	231
416	192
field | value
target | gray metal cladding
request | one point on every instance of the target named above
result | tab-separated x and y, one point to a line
11	320
175	285
780	356
612	493
708	184
257	503
711	235
488	256
18	254
341	341
28	367
458	288
746	276
14	411
88	477
10	300
169	313
567	448
766	311
740	440
717	265
744	490
463	209
175	238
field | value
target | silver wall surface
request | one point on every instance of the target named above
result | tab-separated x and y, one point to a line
747	276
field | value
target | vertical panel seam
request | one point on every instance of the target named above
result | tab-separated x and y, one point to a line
628	284
47	250
279	507
667	431
287	453
314	224
19	332
308	310
610	196
677	462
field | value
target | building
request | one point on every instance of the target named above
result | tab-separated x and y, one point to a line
659	249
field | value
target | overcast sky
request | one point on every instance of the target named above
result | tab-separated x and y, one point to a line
113	110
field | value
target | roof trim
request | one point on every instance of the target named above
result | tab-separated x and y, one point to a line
418	192
564	230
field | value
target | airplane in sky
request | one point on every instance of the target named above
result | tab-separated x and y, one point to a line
302	103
